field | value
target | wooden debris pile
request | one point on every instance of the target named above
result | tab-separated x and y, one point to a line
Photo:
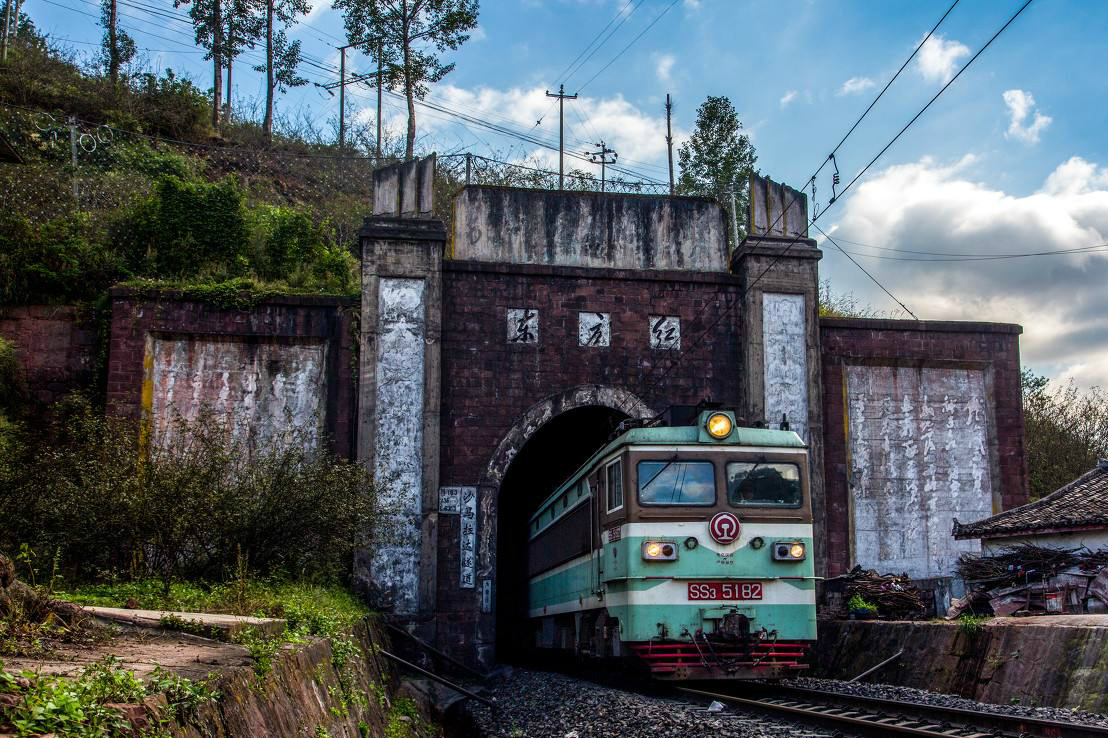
894	595
1033	580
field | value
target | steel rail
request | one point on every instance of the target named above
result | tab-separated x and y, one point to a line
897	716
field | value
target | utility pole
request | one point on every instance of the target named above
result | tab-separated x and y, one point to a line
562	97
380	74
669	141
601	157
342	97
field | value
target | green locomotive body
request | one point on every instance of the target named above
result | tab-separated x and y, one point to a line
687	549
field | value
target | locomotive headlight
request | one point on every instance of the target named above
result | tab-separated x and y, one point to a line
719	425
789	551
659	551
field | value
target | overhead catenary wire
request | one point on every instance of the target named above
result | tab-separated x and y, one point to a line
628	46
946	256
866	272
922	110
731	302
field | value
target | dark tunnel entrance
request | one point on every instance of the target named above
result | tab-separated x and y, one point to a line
554	452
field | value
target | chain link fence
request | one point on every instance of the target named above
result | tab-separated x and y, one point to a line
70	166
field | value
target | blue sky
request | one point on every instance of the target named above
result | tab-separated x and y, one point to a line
1011	159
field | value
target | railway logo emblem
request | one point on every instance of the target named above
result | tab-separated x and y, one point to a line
724	527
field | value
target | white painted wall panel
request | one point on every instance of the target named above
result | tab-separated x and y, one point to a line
398	440
919	455
258	387
786	365
1090	539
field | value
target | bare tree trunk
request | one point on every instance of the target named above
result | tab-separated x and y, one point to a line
267	126
227	110
230	41
113	46
409	93
217	60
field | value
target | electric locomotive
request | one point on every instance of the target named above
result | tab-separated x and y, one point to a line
684	549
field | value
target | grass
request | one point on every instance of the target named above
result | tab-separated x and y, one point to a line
77	707
309	609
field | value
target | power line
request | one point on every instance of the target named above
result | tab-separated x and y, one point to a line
864	271
932	100
955	256
628	46
812	221
572	70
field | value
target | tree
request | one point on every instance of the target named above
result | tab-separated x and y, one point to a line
1066	431
281	56
242	28
118	48
717	159
207	22
406	36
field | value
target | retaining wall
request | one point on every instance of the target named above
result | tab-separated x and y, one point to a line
56	344
301	694
1053	661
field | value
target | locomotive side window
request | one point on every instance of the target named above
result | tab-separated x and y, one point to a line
677	483
763	484
614	472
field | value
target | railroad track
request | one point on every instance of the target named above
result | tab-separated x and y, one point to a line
895	717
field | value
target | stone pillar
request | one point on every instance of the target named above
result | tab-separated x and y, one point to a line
777	265
398	406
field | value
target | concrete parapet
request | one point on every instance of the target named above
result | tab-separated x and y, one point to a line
590	229
1050	661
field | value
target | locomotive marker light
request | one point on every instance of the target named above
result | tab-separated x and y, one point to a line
659	551
724	527
788	551
757	542
719	425
691	543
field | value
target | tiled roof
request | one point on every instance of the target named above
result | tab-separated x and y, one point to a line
1080	504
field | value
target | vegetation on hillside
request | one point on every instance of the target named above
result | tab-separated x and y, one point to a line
1065	429
93	497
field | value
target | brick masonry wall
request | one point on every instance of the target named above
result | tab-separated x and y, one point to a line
489	383
56	346
993	347
291	318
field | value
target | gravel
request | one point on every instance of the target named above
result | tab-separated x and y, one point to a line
909	694
536	704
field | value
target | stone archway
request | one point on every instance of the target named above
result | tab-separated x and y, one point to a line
562	427
540	413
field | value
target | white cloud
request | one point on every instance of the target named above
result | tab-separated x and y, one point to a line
787	98
855	85
938	58
318	8
664	66
692	5
638	136
1021	104
927	206
478	34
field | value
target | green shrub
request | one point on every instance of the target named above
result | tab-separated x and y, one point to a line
58	262
109	500
77	707
291	240
857	603
185	229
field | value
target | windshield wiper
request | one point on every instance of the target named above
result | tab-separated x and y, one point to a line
642	487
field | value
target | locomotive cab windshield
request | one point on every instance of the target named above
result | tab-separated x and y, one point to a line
683	549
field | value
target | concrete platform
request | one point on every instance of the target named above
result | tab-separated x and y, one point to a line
1045	661
222	627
